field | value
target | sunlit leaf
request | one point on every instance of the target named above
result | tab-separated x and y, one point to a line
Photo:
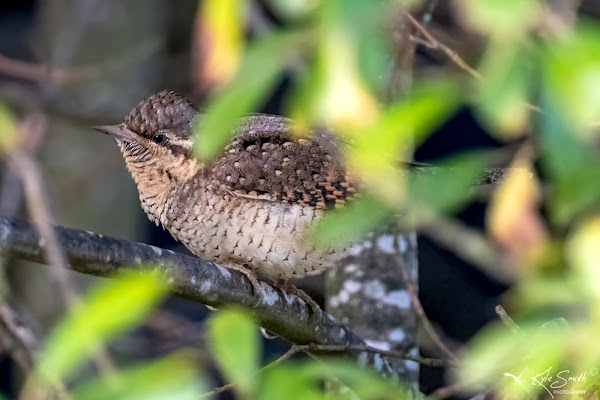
294	9
414	117
582	254
173	378
260	68
8	130
505	18
410	3
341	99
504	93
513	218
370	45
373	158
376	149
234	341
289	382
219	38
333	91
109	309
572	76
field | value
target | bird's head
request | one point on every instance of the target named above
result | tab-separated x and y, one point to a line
160	126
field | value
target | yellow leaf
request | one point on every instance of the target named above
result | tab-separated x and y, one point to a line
345	103
513	219
219	41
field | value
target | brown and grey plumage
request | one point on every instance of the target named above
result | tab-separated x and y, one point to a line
250	205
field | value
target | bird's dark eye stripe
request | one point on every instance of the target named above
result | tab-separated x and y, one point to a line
158	138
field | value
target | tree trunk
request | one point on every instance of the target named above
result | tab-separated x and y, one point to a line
368	293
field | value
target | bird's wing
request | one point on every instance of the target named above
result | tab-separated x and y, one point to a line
266	161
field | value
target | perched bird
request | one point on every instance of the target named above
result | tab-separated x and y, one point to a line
249	207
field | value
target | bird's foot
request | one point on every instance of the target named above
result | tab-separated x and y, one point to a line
258	290
291	288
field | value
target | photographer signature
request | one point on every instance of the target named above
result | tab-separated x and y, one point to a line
549	381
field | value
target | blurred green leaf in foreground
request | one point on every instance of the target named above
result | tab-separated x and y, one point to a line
110	309
235	344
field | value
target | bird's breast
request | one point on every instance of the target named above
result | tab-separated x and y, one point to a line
267	236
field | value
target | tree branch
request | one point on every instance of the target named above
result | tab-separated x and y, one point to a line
189	277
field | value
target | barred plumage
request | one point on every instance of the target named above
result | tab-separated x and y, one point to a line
250	205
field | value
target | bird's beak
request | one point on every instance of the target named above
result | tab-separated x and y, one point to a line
116	131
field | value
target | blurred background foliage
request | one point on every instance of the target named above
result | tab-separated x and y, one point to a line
464	85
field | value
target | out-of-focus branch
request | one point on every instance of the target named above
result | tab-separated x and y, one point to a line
69	75
18	340
31	133
471	246
35	204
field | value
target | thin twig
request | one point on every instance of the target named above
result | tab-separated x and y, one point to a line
432	43
72	75
291	351
420	312
430	362
316	348
23	340
507	320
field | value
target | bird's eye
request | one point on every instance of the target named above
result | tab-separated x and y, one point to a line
158	139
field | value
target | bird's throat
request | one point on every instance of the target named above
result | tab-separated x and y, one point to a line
157	177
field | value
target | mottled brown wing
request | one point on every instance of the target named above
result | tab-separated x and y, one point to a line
266	161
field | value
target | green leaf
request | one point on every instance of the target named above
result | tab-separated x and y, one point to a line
413	118
362	383
174	378
369	43
235	344
260	68
8	130
572	164
305	381
443	187
350	223
572	76
497	351
551	295
290	382
504	18
294	9
505	90
110	308
581	252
